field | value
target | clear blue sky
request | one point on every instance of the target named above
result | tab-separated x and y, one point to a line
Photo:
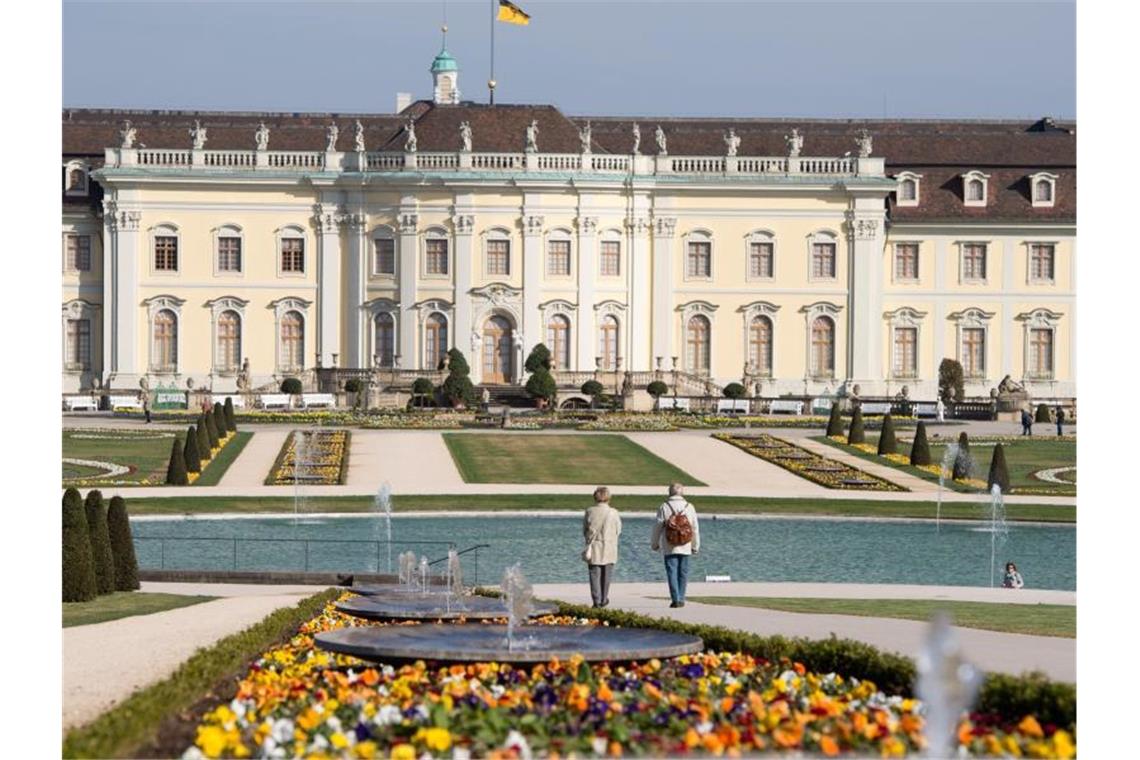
695	58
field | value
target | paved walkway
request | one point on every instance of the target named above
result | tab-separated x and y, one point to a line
408	460
252	466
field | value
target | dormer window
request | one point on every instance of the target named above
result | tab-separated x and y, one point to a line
75	178
1043	189
907	194
975	188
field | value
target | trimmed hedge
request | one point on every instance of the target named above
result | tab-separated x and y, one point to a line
920	449
422	387
190	453
855	432
539	358
887	442
657	389
220	420
835	421
211	431
176	467
962	462
999	472
1043	413
78	566
457	387
101	559
593	388
122	546
734	391
228	411
353	385
203	438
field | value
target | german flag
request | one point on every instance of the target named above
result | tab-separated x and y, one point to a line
512	14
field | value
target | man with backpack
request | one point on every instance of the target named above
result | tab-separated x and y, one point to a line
677	536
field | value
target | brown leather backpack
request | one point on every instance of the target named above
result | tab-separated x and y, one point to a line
678	529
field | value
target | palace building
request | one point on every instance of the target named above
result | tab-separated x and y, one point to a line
810	255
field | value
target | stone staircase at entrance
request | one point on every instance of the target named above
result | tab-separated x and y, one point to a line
513	396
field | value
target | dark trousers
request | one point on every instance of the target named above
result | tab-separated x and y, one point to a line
677	575
1027	428
600	577
1059	433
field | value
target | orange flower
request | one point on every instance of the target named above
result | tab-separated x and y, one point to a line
828	746
615	749
1030	727
605	693
799	668
370	677
965	732
727	704
692	738
713	744
788	737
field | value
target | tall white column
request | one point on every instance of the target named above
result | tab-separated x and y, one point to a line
356	277
662	279
865	312
532	280
409	266
587	294
461	331
1006	250
328	283
120	297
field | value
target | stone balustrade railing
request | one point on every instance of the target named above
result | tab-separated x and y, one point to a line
587	163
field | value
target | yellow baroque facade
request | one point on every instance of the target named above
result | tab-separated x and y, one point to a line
805	257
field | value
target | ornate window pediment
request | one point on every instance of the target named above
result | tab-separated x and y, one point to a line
904	316
972	317
821	308
1040	318
975	188
1043	189
78	308
381	306
758	308
697	307
498	293
909	189
291	303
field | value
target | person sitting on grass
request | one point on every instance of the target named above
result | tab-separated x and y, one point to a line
1012	578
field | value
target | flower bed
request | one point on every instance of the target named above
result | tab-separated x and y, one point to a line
828	473
296	700
325	463
113	472
631	422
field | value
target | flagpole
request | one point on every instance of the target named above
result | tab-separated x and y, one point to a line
491	81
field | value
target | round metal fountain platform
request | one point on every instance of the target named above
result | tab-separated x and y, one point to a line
394	589
430	607
488	643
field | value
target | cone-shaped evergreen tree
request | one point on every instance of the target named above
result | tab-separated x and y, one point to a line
228	409
999	473
920	449
122	546
962	462
855	432
203	439
78	568
176	468
190	453
211	429
835	421
101	558
220	420
1042	414
887	442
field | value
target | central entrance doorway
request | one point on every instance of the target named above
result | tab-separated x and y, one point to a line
498	350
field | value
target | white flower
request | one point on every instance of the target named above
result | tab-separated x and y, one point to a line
388	715
497	690
333	723
599	745
282	730
460	753
704	727
422	712
193	754
319	742
518	742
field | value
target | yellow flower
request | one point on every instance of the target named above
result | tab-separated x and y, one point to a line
435	739
338	740
403	752
365	750
211	740
1063	746
1030	727
1011	747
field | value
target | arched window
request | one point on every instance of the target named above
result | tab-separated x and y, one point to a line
164	352
822	347
760	345
229	341
385	339
292	341
558	340
975	190
435	340
907	190
608	342
1043	191
697	344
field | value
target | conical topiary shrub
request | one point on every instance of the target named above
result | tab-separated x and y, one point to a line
999	473
203	439
1042	414
962	463
887	442
855	432
835	421
920	449
211	430
78	568
122	546
228	411
176	468
190	453
101	558
220	420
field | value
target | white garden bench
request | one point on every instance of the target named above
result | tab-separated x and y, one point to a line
732	406
926	409
821	405
275	400
126	402
877	407
784	406
314	400
669	402
237	400
77	403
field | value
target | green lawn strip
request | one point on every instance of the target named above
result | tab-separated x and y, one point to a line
143	450
123	604
205	505
123	729
217	467
586	459
1034	619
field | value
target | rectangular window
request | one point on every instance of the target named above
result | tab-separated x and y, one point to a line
292	255
229	254
1041	352
611	258
906	358
699	259
906	261
385	256
166	253
79	343
79	253
974	261
974	351
823	260
498	257
1041	261
558	258
436	251
760	260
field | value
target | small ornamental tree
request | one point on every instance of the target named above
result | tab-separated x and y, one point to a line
228	410
352	385
1042	414
203	439
457	387
122	546
541	385
855	432
422	387
101	558
657	389
78	567
539	358
734	391
594	390
951	381
999	473
920	449
887	442
962	462
292	386
190	453
835	421
176	467
220	420
211	431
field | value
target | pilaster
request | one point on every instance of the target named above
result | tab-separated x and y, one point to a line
326	219
409	256
356	275
464	225
121	274
587	295
664	228
866	231
532	327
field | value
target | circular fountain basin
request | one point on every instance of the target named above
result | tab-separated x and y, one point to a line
488	643
395	589
431	607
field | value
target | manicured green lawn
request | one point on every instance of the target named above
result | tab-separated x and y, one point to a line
146	452
1035	619
178	505
123	604
585	459
217	468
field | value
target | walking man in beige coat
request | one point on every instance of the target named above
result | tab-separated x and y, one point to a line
601	528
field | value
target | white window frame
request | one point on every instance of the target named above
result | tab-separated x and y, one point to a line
908	177
78	308
986	263
985	180
228	230
759	236
832	311
749	312
154	305
85	190
687	312
822	236
973	317
424	310
560	235
281	307
498	234
1043	177
375	309
699	235
1032	279
165	229
90	252
910	318
383	232
1038	319
217	306
292	232
895	278
608	308
612	236
436	232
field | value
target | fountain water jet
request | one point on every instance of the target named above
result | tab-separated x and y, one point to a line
425	574
519	596
998	529
946	684
300	469
382	504
948	458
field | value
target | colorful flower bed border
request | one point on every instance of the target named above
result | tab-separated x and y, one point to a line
214	455
808	464
331	463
